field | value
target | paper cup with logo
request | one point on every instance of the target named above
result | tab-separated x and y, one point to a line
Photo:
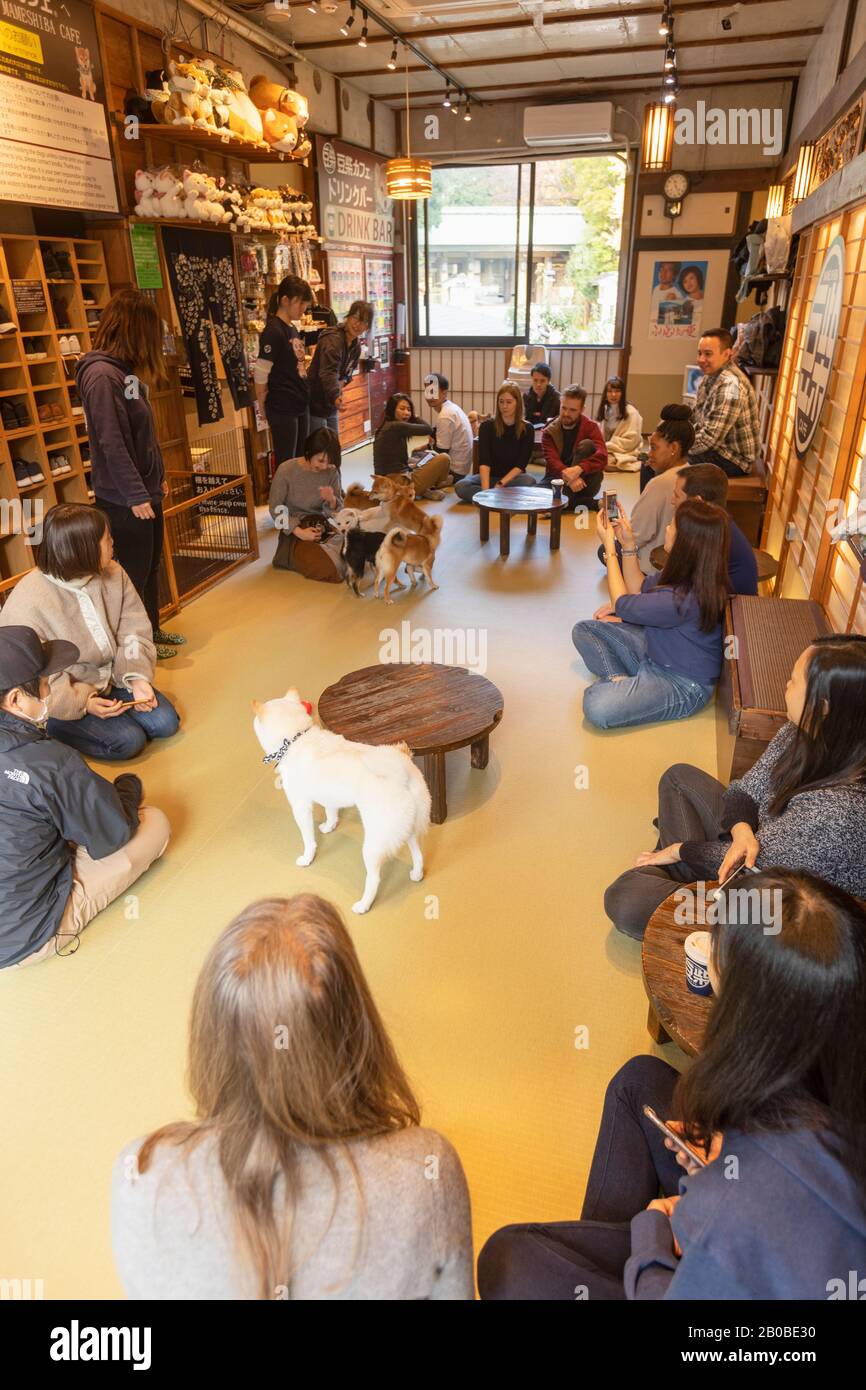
557	486
697	948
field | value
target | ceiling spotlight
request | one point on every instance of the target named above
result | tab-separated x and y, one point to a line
670	95
362	42
392	61
467	114
349	20
447	101
670	58
665	26
455	105
670	79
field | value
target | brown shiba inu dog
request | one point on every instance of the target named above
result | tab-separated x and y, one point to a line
416	552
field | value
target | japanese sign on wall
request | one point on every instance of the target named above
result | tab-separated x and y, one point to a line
819	346
355	208
677	299
55	149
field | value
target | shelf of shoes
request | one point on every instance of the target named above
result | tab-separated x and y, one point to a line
52	290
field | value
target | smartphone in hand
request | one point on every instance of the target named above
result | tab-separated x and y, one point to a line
741	869
611	507
676	1139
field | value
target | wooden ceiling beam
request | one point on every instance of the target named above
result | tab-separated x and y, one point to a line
439	31
604	92
552	56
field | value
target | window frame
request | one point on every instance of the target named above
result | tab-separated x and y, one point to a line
421	340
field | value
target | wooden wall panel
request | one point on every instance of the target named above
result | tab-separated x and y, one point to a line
475	374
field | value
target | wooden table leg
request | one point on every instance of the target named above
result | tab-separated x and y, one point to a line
504	535
531	523
479	751
655	1028
434	772
485	523
555	520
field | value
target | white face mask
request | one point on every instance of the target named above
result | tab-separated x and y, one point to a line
40	719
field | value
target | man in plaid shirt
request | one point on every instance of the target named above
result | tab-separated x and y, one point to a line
725	417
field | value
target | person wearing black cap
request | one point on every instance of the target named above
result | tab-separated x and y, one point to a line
70	841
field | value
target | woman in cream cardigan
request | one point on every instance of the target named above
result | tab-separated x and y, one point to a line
79	594
621	426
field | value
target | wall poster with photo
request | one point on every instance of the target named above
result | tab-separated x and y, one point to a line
384	352
677	299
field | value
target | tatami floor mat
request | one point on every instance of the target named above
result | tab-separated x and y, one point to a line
483	988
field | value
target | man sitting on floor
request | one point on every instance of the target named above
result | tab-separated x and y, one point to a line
70	842
453	430
574	450
541	401
725	417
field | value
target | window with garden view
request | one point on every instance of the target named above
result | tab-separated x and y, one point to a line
528	252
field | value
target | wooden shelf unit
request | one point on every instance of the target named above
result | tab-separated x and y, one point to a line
31	384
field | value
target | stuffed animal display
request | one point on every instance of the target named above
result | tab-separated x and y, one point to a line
207	95
195	194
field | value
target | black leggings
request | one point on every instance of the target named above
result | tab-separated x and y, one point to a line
138	550
585	1259
289	434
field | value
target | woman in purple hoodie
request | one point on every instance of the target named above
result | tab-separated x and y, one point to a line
775	1107
128	475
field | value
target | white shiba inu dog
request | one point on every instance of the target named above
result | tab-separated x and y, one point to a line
318	767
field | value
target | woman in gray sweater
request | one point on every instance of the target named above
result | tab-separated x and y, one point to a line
304	493
305	1173
802	806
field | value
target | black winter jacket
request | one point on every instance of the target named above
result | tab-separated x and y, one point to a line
49	797
127	461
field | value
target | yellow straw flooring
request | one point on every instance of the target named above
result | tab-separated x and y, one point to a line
483	1000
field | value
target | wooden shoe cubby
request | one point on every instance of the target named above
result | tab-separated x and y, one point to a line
43	383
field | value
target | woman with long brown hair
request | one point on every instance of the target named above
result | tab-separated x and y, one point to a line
305	1173
505	446
657	645
128	475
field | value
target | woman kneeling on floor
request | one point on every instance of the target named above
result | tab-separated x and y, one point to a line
505	446
802	805
657	645
391	448
78	593
774	1106
305	492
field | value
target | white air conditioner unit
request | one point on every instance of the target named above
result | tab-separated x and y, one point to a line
578	123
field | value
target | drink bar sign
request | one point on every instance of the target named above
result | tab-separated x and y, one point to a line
356	209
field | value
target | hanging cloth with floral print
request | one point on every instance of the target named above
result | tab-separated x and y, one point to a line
203	284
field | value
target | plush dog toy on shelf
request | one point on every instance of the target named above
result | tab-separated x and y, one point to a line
319	768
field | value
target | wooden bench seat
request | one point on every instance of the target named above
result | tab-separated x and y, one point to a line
747	498
769	634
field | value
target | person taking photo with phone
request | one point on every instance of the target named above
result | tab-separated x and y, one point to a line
802	805
775	1098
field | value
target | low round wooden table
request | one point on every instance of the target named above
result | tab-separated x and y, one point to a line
433	708
768	566
675	1013
513	501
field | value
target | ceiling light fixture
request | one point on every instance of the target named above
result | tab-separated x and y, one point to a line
362	42
658	136
670	58
349	20
447	101
467	114
666	22
408	179
455	105
804	173
776	200
392	61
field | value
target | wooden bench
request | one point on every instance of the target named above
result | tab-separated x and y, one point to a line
747	498
763	638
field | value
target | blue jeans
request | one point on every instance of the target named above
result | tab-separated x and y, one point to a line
120	738
547	1261
467	487
733	470
647	693
318	422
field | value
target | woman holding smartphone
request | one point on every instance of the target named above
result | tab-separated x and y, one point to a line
505	446
802	805
105	706
657	645
305	492
128	474
391	448
775	1100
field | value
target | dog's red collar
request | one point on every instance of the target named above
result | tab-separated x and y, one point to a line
307	706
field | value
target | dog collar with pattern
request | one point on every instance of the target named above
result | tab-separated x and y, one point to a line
285	746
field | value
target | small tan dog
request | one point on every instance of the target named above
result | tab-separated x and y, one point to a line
392	487
405	511
359	499
416	552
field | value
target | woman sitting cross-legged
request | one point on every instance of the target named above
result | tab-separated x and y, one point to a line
305	1174
802	805
304	493
391	448
104	705
657	645
505	446
621	426
775	1105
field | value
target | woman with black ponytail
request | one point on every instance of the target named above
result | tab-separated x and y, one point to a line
279	373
